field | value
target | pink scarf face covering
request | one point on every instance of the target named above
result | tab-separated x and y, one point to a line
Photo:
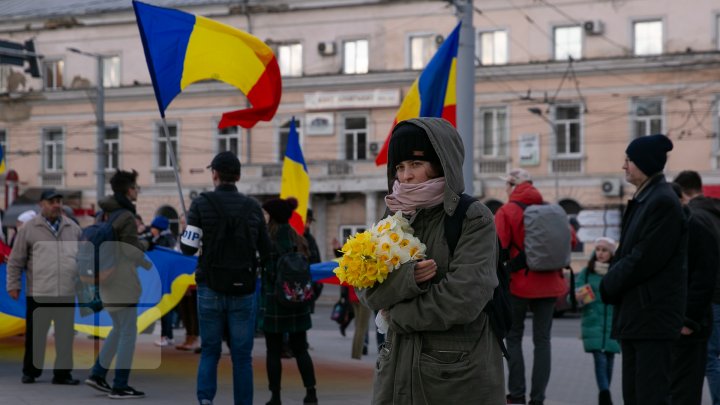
408	198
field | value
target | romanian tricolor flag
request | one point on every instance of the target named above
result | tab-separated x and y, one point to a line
182	48
295	179
433	93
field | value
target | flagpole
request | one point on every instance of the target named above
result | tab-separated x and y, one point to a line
466	90
173	161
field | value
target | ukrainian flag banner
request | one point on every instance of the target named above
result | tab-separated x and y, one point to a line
182	48
295	180
2	160
433	94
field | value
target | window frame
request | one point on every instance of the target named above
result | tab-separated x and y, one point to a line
634	117
480	49
106	72
568	133
432	37
227	138
290	46
58	156
568	53
59	65
160	138
634	28
500	146
344	132
357	70
115	143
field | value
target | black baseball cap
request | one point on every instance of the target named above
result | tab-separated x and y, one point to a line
49	194
225	162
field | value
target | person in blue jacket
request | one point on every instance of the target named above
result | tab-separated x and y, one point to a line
597	317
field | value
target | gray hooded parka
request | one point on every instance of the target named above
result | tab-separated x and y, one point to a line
440	348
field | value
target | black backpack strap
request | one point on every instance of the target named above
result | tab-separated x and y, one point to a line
453	224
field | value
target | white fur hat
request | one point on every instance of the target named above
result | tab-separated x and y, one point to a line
607	242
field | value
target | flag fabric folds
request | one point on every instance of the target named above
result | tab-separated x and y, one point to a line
182	48
295	179
433	94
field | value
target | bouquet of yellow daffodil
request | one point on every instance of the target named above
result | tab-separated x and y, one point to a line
368	257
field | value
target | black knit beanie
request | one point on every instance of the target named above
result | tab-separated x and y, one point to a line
649	153
280	210
410	142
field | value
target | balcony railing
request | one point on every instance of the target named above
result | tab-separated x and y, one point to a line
52	179
567	165
492	166
164	176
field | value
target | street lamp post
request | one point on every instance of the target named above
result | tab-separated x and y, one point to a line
100	119
539	113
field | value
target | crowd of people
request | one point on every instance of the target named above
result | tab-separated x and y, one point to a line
651	297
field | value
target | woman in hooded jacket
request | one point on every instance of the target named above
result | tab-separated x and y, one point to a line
440	347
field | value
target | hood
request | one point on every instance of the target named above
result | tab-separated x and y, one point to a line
449	147
109	204
708	204
526	193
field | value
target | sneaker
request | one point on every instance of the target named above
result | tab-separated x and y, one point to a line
515	400
98	383
164	342
126	393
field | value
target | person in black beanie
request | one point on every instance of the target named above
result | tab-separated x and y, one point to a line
647	279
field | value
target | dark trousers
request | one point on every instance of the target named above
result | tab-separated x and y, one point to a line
188	313
298	345
646	371
689	356
38	316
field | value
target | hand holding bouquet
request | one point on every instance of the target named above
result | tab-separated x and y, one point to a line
368	257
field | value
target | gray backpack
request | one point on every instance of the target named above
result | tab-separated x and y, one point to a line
547	237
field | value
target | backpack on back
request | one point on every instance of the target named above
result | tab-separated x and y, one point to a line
96	261
229	256
547	245
293	282
498	309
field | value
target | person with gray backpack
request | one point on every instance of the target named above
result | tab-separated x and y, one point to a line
538	239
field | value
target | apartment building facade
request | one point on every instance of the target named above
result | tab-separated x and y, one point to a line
561	87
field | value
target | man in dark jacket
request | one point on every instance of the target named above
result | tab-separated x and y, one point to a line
120	292
226	307
647	280
707	211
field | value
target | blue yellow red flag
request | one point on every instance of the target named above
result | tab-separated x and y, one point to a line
295	179
433	94
2	160
182	48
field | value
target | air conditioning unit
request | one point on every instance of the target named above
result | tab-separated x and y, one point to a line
327	48
594	27
611	187
374	148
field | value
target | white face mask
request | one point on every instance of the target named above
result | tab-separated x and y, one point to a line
601	268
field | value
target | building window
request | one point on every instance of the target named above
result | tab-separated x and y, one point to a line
568	136
54	72
348	230
163	153
355	55
111	71
647	117
228	139
53	149
290	59
568	42
283	134
493	130
493	47
648	37
112	147
422	49
355	133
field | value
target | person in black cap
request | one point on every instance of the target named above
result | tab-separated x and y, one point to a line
647	279
231	229
45	247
